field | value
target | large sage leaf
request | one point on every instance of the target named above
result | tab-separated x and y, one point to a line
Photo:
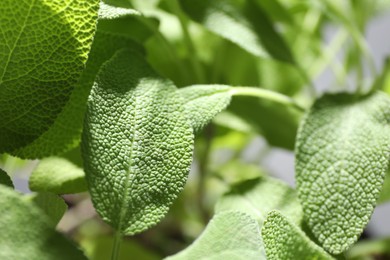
137	144
259	196
43	50
284	240
203	102
229	235
27	233
341	159
65	133
246	25
57	175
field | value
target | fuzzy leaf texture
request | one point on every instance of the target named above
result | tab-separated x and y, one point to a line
284	241
137	144
27	233
57	175
257	197
44	46
244	24
5	179
230	235
65	133
342	156
53	206
203	102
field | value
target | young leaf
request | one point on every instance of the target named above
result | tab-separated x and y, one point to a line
259	196
43	50
137	144
57	175
54	206
27	233
341	160
252	31
65	133
5	179
229	235
203	102
284	240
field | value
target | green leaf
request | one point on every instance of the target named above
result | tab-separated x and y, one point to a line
278	123
203	102
54	206
65	133
245	25
370	249
341	161
259	196
57	175
43	49
229	235
111	12
137	144
284	240
27	233
5	179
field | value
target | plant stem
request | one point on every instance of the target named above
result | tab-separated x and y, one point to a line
196	65
266	94
116	245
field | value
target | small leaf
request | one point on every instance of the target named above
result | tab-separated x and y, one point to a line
57	175
245	25
229	235
27	233
284	240
5	179
137	144
204	102
54	206
259	196
385	192
65	133
43	50
341	161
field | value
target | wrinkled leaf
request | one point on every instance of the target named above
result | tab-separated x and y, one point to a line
341	161
203	102
283	240
65	133
5	179
229	235
43	50
27	233
54	206
259	196
57	175
137	144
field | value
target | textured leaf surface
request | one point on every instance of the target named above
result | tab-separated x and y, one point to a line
54	206
65	133
57	175
284	240
341	160
259	196
243	24
26	232
43	50
5	179
137	144
203	102
229	235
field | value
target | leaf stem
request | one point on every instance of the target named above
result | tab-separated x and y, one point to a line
196	65
266	94
116	245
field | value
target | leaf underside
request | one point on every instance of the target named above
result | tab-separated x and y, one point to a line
341	159
137	144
